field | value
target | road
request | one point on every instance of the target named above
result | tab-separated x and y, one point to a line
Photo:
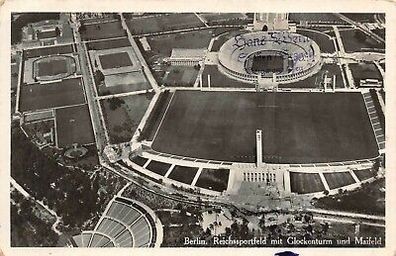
93	105
363	28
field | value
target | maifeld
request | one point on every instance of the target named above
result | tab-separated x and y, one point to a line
295	241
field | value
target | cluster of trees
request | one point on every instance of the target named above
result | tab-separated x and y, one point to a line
26	228
69	192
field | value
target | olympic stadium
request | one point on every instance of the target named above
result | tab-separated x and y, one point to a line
270	57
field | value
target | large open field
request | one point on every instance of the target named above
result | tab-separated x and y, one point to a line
305	183
122	120
65	93
115	60
102	30
356	40
297	127
37	52
172	21
53	67
361	71
74	126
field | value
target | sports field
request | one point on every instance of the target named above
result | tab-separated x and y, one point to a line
297	127
115	60
37	52
123	120
65	93
53	67
163	23
74	126
102	30
305	183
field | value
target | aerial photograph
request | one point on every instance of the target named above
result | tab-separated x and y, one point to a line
183	129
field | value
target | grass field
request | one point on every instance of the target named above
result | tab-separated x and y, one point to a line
183	174
222	18
74	126
184	76
139	160
325	44
102	30
214	179
123	121
316	80
297	127
305	183
218	79
109	44
369	200
164	44
338	179
364	71
158	167
115	60
53	67
329	17
364	174
37	52
352	42
65	93
172	21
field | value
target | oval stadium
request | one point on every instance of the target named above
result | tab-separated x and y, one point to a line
276	57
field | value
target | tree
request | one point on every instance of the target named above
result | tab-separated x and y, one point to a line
99	77
57	31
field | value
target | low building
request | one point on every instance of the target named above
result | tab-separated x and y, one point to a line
186	57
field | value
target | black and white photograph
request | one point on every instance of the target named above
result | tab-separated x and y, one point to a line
139	129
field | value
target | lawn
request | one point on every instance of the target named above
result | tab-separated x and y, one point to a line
324	42
218	79
297	127
305	183
123	121
223	18
109	44
52	67
369	200
214	179
139	160
183	174
102	30
164	44
361	71
312	17
338	179
365	174
158	167
356	41
59	94
73	125
168	22
37	52
115	60
184	76
316	80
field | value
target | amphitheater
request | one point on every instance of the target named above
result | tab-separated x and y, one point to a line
125	223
